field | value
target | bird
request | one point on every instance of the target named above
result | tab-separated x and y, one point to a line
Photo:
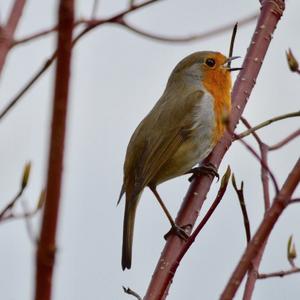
180	131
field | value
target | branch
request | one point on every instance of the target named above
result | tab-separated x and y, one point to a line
268	122
7	32
253	271
45	255
33	36
279	204
191	239
129	291
262	162
294	201
45	66
240	194
43	33
185	39
278	274
269	17
16	99
285	141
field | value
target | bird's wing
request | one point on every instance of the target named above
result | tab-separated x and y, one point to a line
170	137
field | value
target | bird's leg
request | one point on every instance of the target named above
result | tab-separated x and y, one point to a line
208	168
175	229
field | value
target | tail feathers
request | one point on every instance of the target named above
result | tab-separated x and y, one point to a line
128	227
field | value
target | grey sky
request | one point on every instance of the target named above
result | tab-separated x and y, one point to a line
116	79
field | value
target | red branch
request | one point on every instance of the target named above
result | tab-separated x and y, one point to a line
270	14
47	243
285	140
7	31
280	202
279	273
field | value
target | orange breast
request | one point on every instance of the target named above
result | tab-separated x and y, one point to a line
218	83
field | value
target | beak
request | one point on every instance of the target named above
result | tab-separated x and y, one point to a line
230	59
228	62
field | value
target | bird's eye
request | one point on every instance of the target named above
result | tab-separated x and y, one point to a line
210	62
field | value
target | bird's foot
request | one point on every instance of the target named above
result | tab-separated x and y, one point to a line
209	169
180	231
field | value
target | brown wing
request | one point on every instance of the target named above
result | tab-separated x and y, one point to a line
156	140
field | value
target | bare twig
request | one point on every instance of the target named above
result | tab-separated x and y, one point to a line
33	36
263	163
240	194
27	218
216	202
268	122
253	271
129	291
7	31
296	200
89	26
285	140
16	98
264	157
233	35
45	255
279	204
278	273
185	39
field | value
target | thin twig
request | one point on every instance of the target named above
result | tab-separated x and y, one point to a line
253	271
185	39
262	163
278	205
268	122
214	205
45	255
264	157
89	26
285	141
278	273
27	218
33	36
129	291
294	201
44	32
27	86
240	194
6	212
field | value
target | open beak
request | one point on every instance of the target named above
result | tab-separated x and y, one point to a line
228	62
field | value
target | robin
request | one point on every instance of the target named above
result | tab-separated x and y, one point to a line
179	132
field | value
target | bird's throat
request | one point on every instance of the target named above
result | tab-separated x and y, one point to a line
218	84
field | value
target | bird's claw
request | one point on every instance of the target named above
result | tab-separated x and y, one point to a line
209	169
179	231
